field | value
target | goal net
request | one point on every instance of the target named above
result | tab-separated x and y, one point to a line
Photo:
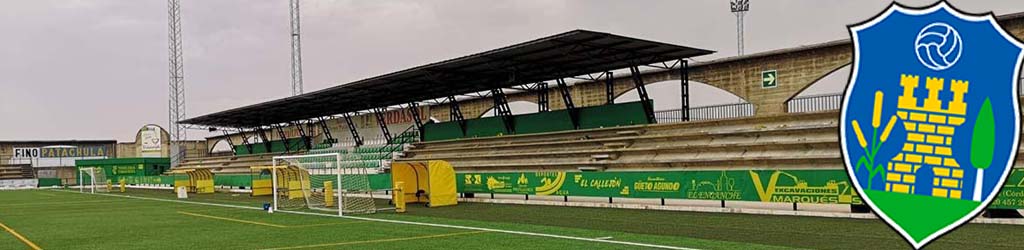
92	180
322	182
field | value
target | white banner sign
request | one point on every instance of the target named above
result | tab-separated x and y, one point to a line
151	139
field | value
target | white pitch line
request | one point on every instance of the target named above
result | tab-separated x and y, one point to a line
600	240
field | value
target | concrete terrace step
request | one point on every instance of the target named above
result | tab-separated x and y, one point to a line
643	150
826	133
775	121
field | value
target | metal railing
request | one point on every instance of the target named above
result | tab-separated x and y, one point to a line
814	103
706	113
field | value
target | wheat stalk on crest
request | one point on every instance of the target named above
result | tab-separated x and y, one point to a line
868	159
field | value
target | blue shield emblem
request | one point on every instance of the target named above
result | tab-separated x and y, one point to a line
930	117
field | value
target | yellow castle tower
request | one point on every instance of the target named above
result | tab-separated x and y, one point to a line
930	130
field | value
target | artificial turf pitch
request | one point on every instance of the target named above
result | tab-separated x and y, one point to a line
55	219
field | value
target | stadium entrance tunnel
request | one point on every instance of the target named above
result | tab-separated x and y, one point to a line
428	182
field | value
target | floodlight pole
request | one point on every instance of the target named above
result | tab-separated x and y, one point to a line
176	100
296	47
739	8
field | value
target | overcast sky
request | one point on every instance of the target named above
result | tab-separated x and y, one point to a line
98	69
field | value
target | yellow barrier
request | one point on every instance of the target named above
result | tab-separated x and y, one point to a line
329	193
122	183
262	187
398	196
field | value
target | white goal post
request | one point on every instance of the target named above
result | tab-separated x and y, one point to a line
97	180
325	182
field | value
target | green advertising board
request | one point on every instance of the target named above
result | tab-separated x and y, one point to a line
1012	195
790	186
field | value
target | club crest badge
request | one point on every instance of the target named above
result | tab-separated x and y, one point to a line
930	117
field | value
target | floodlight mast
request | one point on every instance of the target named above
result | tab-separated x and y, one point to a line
176	100
739	8
296	47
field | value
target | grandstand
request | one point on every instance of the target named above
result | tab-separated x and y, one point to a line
782	141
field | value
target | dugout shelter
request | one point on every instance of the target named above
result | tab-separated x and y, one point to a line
428	182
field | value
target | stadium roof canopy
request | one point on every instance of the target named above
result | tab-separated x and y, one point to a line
568	54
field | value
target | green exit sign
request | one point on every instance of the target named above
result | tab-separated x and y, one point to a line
769	79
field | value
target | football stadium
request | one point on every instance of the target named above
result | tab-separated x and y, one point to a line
436	157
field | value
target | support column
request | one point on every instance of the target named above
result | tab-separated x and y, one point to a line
245	140
414	110
263	136
542	97
230	143
641	89
501	109
352	128
311	132
303	135
609	87
574	114
326	130
455	113
379	112
684	88
283	137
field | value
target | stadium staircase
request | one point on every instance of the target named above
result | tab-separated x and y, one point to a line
13	172
806	140
17	177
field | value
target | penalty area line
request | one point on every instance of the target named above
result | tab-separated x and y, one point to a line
27	242
378	241
233	220
556	236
